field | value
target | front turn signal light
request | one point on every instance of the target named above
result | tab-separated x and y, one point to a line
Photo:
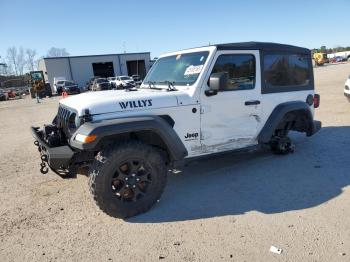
85	139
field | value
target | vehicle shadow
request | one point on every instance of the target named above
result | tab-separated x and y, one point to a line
237	183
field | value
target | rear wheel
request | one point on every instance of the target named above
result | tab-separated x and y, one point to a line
127	179
280	143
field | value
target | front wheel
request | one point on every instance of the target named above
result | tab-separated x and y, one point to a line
127	179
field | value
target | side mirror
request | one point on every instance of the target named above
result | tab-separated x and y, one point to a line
217	81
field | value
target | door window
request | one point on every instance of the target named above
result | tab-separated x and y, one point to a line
286	70
240	69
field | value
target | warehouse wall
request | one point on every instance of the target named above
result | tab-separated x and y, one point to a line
82	69
132	57
57	67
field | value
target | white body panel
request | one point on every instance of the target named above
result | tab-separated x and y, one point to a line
226	122
204	124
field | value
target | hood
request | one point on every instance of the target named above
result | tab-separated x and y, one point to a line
120	100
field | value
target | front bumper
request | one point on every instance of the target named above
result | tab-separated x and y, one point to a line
73	91
57	158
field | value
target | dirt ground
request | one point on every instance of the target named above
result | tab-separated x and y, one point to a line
231	208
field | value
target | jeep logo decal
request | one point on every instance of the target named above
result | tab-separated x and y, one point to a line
136	104
192	136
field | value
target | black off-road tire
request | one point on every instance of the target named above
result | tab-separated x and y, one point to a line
109	162
282	145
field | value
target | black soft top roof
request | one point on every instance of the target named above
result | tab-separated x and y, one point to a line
264	46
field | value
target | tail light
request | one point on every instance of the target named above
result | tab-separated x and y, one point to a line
316	100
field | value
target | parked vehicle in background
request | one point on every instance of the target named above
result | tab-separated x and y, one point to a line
57	79
344	54
192	103
59	87
112	81
347	88
91	82
69	87
100	84
3	95
320	59
337	59
38	86
123	82
137	79
340	59
11	93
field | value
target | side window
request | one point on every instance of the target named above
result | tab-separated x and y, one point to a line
286	70
240	69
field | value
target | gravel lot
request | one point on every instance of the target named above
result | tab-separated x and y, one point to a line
231	208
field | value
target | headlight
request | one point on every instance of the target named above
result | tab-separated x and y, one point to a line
85	139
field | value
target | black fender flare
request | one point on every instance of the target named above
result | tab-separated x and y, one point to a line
107	129
277	116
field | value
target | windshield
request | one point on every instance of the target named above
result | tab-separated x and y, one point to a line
182	69
101	80
125	78
111	78
60	82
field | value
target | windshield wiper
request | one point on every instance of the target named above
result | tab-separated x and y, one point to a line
171	85
152	85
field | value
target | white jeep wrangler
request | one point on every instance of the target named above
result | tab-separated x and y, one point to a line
192	103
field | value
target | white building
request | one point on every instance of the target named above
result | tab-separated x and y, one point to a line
81	68
344	54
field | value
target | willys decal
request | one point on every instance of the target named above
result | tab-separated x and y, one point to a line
136	104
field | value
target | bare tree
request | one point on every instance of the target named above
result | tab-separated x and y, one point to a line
21	61
12	58
57	52
16	59
30	59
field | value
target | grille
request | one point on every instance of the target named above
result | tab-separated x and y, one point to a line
66	120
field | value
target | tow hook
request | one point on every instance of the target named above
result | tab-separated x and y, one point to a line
37	144
43	168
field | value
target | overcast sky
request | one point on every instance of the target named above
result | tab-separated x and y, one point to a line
102	27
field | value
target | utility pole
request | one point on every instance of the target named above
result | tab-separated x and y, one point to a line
124	47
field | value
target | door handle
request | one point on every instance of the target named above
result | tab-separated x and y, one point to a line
252	102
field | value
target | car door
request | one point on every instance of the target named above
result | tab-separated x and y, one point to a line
230	119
